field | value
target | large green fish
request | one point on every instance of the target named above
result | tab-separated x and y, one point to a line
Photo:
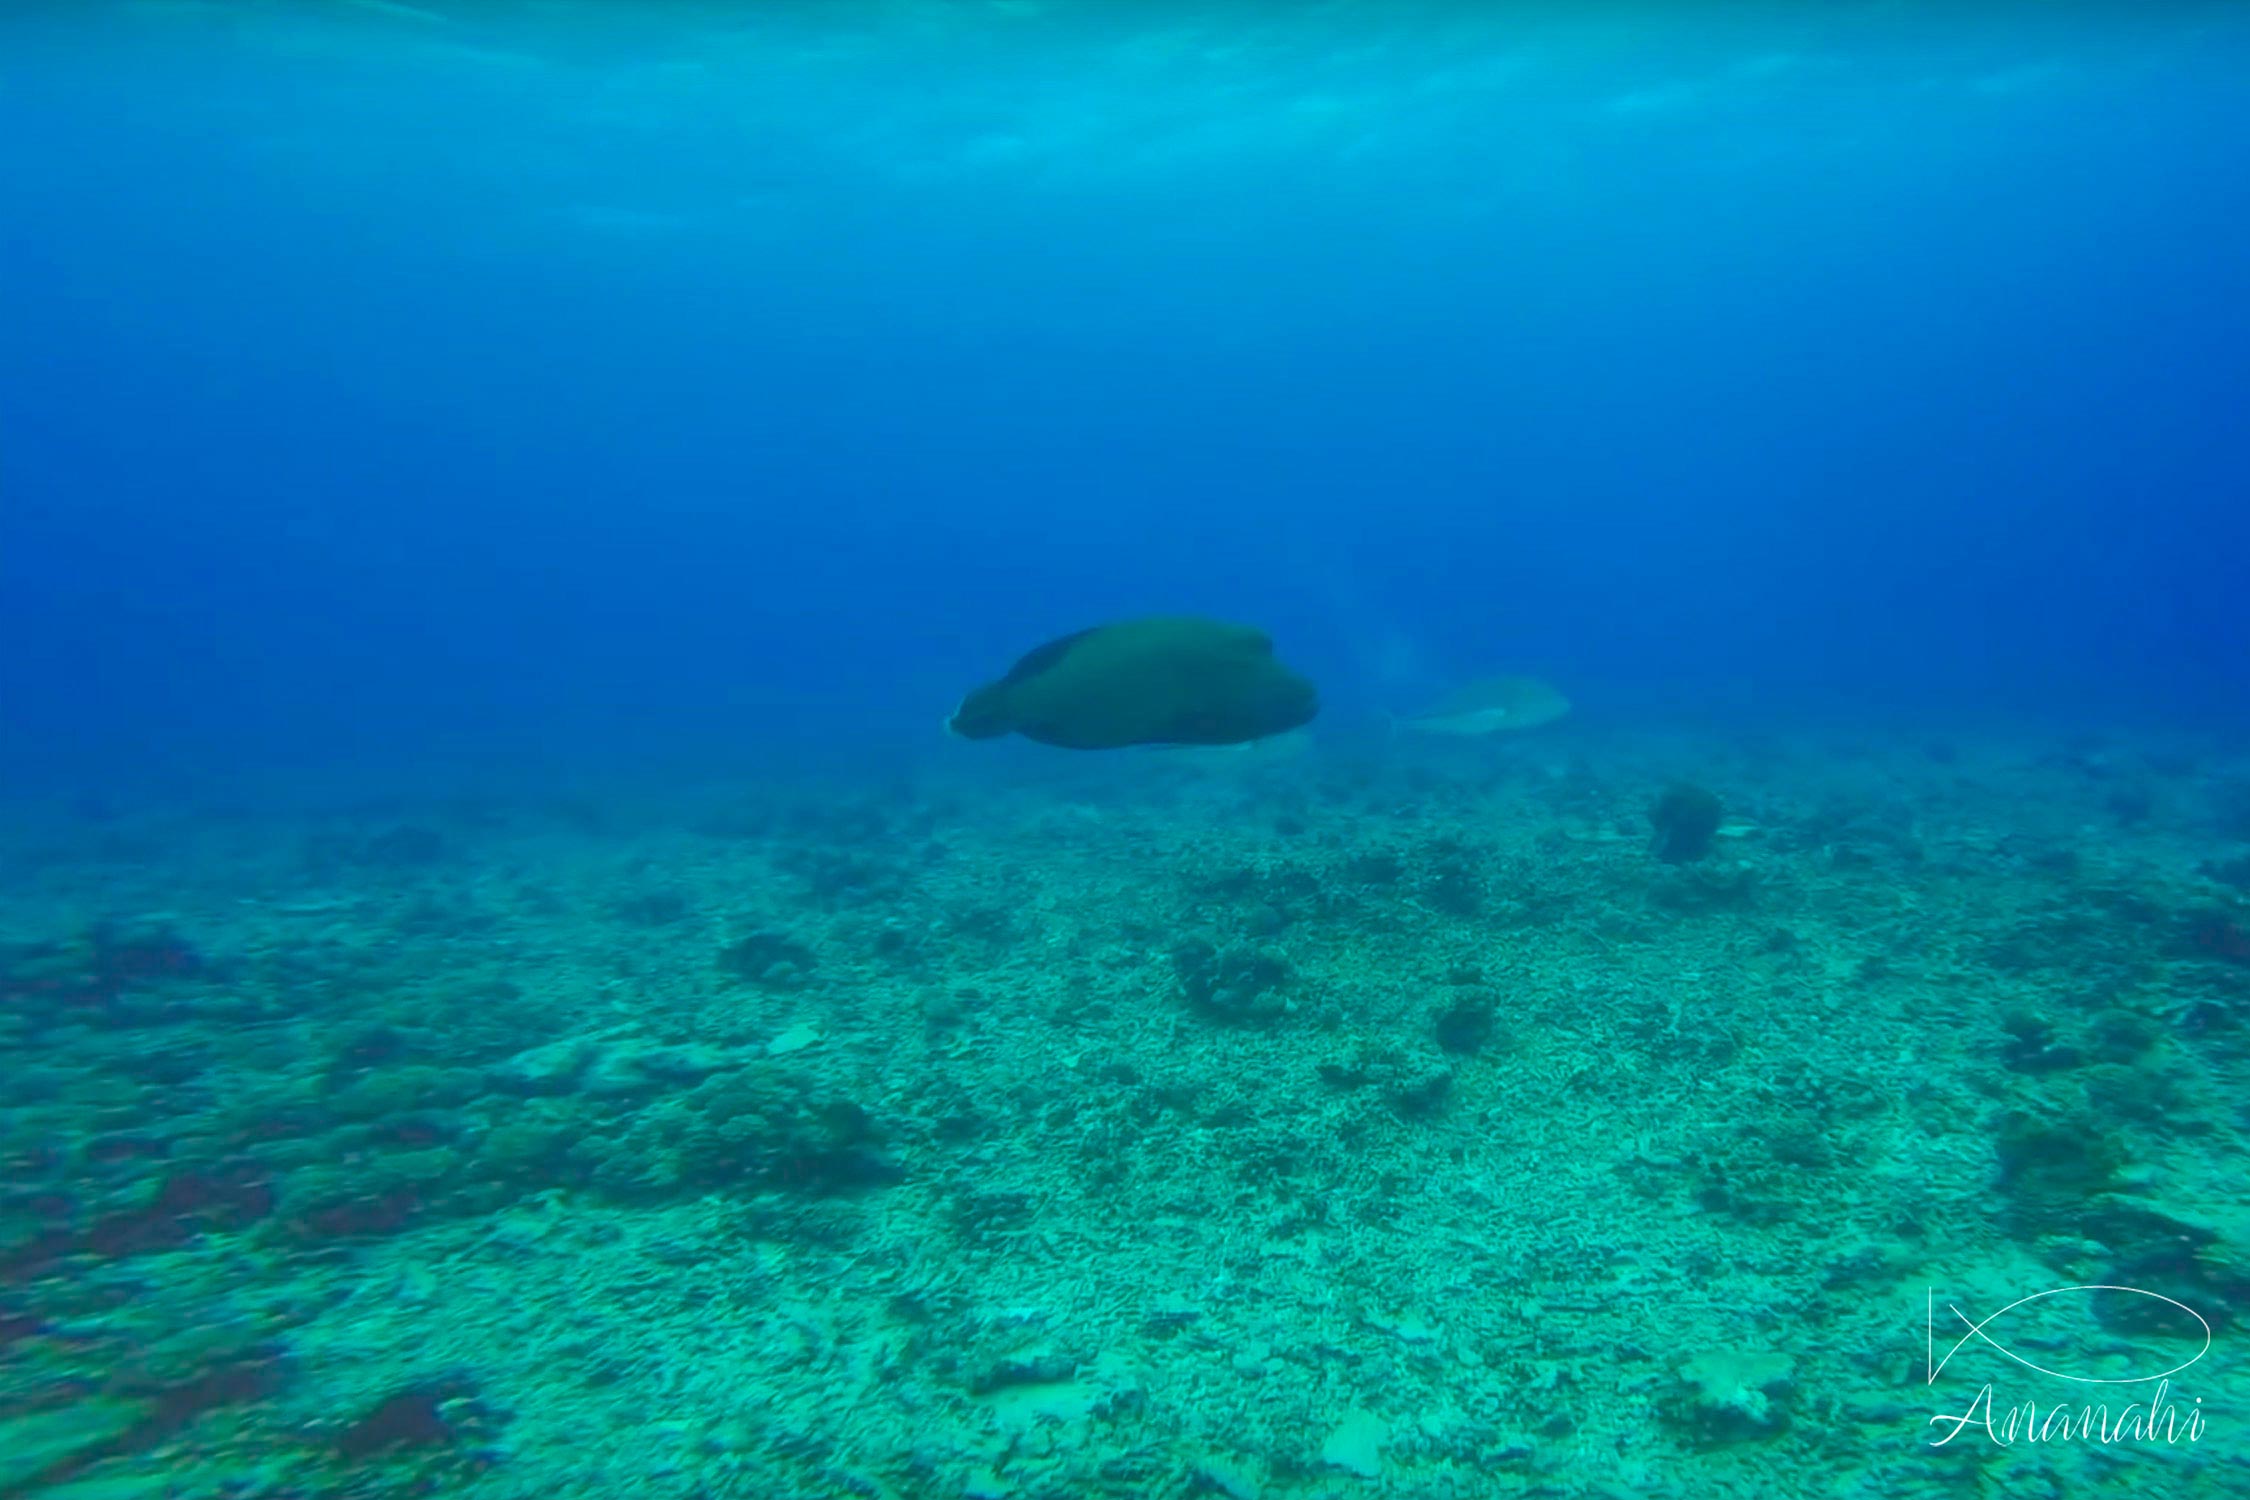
1166	680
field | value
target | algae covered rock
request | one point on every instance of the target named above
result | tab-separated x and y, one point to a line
752	1129
47	1444
1467	1022
1238	984
1727	1396
1414	1084
1684	821
548	1068
773	960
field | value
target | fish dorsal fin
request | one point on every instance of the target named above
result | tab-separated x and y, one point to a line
1039	658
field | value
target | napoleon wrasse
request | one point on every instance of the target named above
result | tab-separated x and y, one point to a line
1166	680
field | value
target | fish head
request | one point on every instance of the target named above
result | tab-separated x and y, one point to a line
983	715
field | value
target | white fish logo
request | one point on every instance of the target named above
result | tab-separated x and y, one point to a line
1982	1330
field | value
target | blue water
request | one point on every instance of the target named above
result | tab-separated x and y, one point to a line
376	376
506	988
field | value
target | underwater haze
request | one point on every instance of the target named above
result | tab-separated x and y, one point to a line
386	376
1124	749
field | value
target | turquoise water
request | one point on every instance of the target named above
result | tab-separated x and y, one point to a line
507	986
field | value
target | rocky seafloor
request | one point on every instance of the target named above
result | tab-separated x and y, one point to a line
1422	1123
